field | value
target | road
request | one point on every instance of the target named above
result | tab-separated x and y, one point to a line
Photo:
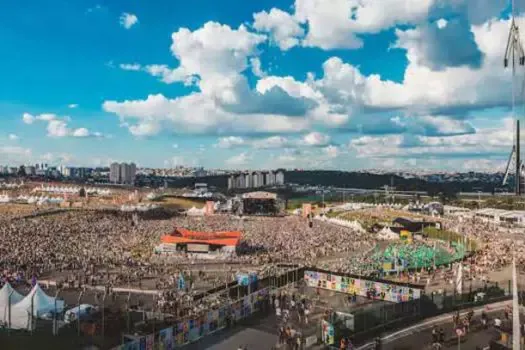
255	334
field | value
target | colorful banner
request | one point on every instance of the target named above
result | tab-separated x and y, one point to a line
150	341
133	345
166	339
188	331
364	288
327	333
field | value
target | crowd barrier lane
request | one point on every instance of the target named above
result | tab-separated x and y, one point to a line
490	308
47	283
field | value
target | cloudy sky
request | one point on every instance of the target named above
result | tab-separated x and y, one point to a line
337	84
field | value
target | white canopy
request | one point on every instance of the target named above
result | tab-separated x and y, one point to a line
195	212
4	300
38	301
387	234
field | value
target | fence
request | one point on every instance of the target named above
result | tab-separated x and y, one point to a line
245	304
379	318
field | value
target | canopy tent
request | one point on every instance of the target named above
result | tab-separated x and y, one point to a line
37	301
195	212
4	295
387	234
4	300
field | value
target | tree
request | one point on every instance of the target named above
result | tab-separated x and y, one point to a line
82	193
22	171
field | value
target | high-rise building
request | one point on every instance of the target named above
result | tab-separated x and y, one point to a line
279	177
114	173
248	182
122	173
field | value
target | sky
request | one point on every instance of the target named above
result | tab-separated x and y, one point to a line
232	84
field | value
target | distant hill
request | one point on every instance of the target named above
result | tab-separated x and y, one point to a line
376	181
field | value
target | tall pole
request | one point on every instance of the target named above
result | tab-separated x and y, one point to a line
78	316
103	314
518	159
55	325
516	336
9	311
514	51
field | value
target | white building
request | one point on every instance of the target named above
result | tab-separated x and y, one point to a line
279	178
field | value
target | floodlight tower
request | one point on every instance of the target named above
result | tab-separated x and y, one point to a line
516	55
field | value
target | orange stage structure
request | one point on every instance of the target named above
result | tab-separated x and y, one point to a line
183	236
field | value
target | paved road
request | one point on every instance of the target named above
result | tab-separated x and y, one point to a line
257	334
418	337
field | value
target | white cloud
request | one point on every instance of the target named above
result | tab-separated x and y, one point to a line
316	139
72	105
128	20
130	66
423	91
338	23
284	29
240	159
197	114
175	145
230	142
485	142
255	62
81	132
441	23
331	151
28	118
58	127
12	137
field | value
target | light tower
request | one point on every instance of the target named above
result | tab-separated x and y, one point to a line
515	55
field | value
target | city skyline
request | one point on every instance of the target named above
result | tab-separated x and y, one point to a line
263	85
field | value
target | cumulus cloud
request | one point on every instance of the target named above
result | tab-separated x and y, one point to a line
316	139
255	62
313	139
72	105
12	137
337	24
484	142
58	127
283	28
128	20
447	44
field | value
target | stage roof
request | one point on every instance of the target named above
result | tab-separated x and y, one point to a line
184	236
259	195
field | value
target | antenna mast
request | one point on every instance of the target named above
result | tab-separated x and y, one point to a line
516	55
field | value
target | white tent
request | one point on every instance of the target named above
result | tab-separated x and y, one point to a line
387	234
4	295
38	301
195	212
4	301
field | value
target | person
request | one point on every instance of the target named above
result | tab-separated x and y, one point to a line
441	336
435	337
378	344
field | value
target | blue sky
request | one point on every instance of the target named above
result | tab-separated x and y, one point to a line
342	84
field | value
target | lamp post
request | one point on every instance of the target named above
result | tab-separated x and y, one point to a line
78	316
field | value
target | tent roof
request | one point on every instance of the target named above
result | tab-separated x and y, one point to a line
4	295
